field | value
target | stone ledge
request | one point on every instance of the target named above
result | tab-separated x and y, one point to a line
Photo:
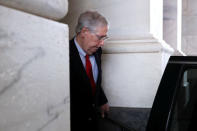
136	46
52	9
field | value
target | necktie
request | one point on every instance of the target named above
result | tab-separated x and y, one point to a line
90	74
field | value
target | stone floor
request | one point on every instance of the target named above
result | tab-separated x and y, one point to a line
127	119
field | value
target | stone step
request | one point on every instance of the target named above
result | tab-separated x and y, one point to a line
125	119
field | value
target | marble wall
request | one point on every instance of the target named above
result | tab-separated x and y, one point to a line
34	73
52	9
155	14
189	29
170	22
132	72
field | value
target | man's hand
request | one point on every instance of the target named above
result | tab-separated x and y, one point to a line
104	109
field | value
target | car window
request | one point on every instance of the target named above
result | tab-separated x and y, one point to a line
184	113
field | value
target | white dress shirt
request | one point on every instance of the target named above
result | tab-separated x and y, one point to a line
82	54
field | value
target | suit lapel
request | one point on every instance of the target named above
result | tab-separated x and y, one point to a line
75	54
76	58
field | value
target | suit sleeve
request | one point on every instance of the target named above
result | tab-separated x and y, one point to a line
102	97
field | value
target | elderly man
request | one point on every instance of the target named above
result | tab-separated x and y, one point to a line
88	100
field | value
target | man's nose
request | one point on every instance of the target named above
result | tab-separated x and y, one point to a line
101	43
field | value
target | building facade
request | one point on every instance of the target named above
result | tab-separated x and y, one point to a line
34	67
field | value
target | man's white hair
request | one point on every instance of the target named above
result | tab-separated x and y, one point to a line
90	20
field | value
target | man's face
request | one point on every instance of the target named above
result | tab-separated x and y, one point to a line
94	40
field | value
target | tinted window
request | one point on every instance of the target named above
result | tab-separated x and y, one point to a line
183	115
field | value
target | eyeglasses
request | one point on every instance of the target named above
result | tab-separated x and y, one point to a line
101	38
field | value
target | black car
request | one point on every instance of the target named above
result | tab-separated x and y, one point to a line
175	104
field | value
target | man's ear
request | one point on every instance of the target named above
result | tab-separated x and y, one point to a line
84	31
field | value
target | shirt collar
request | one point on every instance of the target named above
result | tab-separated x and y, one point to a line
81	51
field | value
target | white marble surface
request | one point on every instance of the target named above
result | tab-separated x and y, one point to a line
34	73
155	14
189	29
53	9
132	71
135	46
189	45
170	22
189	7
131	80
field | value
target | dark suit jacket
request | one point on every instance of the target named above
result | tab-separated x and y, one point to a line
83	104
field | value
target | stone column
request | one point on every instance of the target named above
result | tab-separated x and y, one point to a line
34	67
135	56
172	26
189	29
